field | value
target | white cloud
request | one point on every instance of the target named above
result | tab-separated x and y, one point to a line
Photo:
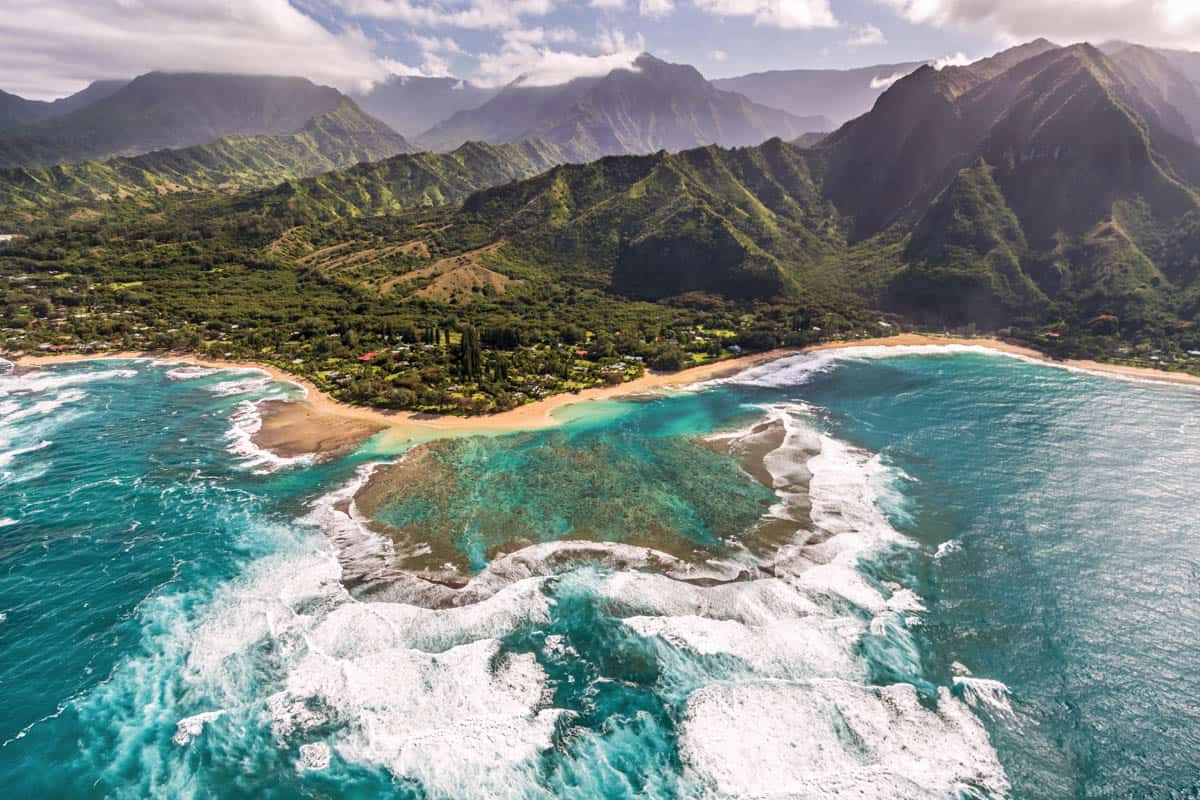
610	5
471	14
959	59
720	56
1164	23
886	81
656	8
434	52
536	62
614	40
795	14
867	36
49	48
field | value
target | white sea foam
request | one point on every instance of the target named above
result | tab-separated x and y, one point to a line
314	756
13	412
783	648
789	371
246	422
947	548
462	722
7	521
832	738
189	372
429	695
983	692
191	727
251	384
45	381
7	458
816	731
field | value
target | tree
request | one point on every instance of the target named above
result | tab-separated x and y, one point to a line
470	354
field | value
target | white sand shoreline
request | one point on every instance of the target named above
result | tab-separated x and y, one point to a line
320	424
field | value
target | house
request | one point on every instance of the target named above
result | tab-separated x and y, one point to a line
367	357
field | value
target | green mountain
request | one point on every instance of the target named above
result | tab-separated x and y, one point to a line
160	111
340	138
1038	180
651	106
403	182
742	223
1094	172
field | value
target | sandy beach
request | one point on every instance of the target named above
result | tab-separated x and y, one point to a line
320	424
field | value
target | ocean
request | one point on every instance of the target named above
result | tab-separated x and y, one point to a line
919	573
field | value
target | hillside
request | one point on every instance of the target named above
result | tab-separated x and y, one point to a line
411	105
403	182
742	223
341	138
166	111
653	106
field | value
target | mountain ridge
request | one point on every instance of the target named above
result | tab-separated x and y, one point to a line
652	106
161	110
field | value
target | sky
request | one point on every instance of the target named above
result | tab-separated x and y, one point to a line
50	48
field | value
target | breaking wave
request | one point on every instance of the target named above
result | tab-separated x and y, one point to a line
758	686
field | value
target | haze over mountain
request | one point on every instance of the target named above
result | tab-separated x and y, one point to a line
655	105
837	94
161	110
411	105
15	111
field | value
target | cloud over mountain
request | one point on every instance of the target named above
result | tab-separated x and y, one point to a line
52	47
1165	23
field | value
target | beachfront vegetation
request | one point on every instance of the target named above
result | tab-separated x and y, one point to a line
316	301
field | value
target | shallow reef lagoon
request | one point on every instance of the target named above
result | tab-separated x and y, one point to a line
970	576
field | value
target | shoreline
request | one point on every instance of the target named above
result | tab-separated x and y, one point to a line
302	427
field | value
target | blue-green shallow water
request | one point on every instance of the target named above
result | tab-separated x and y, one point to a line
1044	521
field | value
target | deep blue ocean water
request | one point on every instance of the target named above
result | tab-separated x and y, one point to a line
995	592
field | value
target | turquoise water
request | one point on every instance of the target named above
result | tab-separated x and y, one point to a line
993	593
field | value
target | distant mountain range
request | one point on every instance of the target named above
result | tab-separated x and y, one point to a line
160	110
651	106
329	141
16	111
838	95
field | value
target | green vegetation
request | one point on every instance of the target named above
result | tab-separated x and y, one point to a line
249	288
340	138
1033	194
